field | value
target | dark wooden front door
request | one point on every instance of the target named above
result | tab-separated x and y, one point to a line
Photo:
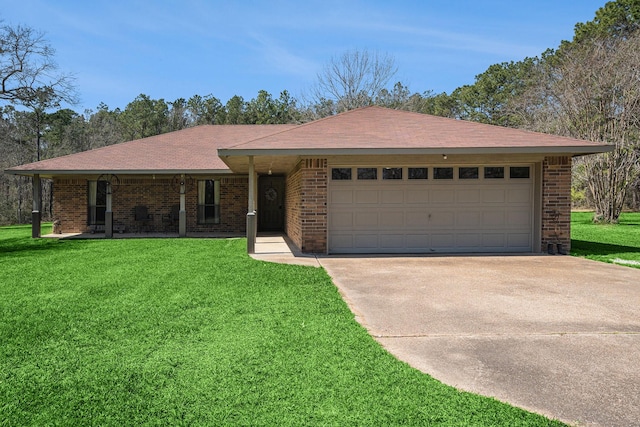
271	203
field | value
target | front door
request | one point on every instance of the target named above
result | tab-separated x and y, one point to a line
271	203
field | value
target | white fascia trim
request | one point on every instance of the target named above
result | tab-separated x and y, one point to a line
560	149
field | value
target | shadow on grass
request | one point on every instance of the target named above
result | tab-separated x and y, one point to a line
15	245
583	248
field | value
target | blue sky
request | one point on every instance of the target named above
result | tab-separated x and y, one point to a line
172	49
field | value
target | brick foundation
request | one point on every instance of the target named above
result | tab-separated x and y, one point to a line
71	199
556	202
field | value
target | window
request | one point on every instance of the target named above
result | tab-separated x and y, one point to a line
468	173
494	172
418	173
341	174
392	173
97	202
209	202
367	173
442	173
519	172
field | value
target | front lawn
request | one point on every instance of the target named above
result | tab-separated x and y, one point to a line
194	332
619	244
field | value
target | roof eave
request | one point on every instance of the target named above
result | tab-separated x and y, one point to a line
48	173
560	149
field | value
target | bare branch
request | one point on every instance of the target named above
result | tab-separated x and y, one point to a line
27	68
354	79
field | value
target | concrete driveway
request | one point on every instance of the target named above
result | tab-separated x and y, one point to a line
555	335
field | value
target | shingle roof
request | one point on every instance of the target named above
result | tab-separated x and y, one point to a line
382	128
370	130
192	149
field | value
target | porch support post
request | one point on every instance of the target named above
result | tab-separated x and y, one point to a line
251	215
108	215
182	216
37	207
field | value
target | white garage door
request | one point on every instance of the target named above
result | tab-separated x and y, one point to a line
431	209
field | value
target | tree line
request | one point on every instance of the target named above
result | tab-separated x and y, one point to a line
586	88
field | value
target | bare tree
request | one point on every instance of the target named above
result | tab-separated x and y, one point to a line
354	79
591	91
27	68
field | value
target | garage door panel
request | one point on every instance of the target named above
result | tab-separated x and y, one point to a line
418	241
341	242
366	241
365	219
441	196
468	196
366	196
468	219
519	195
493	195
417	196
442	241
493	218
392	241
341	220
417	219
469	241
339	197
518	240
442	219
392	219
391	197
493	240
518	219
423	216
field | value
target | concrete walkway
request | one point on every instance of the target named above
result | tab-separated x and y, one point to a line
279	249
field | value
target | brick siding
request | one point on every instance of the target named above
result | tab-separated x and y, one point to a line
306	205
293	205
556	202
71	199
70	205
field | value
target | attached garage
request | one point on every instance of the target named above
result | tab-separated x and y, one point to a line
431	209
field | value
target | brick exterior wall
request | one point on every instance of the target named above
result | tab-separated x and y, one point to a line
70	205
306	205
293	206
556	202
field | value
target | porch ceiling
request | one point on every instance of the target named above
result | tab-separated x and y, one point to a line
277	164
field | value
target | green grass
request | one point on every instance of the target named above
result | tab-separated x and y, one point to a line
609	243
194	332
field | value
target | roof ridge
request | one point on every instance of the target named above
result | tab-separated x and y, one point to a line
302	125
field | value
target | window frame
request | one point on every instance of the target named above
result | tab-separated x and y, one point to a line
341	174
364	170
208	208
463	170
448	177
490	175
392	174
96	202
521	168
